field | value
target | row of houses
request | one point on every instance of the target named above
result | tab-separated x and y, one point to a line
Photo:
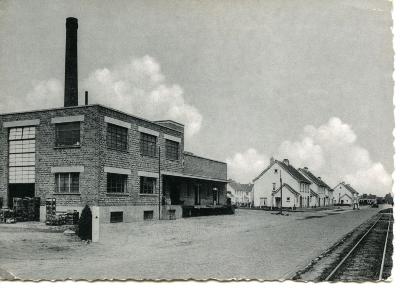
282	184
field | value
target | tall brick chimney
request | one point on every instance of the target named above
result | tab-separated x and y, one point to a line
71	63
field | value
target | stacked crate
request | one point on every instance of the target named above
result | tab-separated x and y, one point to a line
19	209
72	217
36	207
7	216
51	211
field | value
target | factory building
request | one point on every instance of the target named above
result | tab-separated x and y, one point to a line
126	168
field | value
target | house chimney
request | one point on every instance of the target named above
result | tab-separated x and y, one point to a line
286	162
306	168
319	177
86	98
71	63
271	160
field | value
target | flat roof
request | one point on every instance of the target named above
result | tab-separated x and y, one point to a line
194	155
94	105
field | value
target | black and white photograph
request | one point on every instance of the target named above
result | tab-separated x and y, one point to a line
197	140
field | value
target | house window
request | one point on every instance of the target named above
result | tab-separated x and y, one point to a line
276	171
172	149
288	199
68	134
148	144
273	186
116	183
147	185
116	217
67	183
117	137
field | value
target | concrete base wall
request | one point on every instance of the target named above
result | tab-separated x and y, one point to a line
130	213
136	213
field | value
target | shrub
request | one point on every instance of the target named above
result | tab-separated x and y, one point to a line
85	224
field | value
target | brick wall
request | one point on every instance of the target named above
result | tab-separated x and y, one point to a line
94	155
199	166
47	155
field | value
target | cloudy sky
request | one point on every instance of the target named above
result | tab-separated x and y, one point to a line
306	80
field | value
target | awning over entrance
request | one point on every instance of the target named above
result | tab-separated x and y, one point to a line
168	173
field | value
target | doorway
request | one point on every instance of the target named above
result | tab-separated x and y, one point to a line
20	191
197	194
278	201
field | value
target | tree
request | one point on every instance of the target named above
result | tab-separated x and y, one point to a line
85	224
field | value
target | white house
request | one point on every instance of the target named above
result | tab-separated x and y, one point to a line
240	194
267	187
320	192
345	194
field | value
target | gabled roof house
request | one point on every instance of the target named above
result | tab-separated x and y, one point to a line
267	187
320	192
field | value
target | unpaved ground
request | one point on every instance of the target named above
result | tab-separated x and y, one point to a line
250	244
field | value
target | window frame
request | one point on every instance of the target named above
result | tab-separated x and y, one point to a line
112	134
142	183
60	144
57	177
147	145
169	145
120	181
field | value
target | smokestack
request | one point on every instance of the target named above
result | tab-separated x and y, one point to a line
71	63
86	98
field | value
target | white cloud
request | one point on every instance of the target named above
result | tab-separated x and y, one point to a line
243	167
332	152
44	94
139	87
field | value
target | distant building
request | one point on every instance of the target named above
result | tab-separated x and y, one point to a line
320	192
267	187
344	194
240	194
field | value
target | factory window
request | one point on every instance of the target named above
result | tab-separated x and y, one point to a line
116	217
68	134
172	149
67	183
147	185
117	137
148	144
21	160
117	183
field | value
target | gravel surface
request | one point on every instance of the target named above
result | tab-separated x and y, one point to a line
251	244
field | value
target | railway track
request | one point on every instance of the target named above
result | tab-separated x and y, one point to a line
370	257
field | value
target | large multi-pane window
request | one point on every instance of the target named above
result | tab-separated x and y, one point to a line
21	155
116	183
67	183
68	134
117	137
148	145
172	149
147	185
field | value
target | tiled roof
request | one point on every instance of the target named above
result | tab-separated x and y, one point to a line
289	188
315	179
293	171
241	187
312	192
351	189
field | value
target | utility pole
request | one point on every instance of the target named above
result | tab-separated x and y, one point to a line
280	179
159	183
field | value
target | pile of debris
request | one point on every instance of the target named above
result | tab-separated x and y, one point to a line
24	209
54	218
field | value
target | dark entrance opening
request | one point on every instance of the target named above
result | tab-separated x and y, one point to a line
174	188
20	191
